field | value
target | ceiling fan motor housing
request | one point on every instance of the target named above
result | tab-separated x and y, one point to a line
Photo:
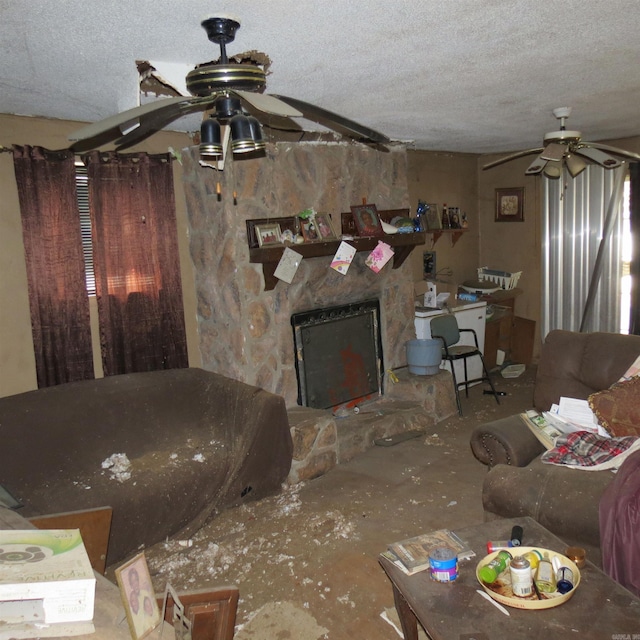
223	75
210	78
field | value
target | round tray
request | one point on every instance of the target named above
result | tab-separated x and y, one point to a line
501	592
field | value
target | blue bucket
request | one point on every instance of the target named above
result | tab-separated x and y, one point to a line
424	356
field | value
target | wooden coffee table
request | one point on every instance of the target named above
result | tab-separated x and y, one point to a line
600	608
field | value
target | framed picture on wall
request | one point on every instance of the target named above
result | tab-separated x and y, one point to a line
510	205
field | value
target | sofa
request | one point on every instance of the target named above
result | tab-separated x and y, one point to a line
565	501
165	450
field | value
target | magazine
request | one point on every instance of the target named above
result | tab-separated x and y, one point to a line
541	428
412	555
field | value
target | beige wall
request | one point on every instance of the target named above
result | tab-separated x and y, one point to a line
517	246
451	179
440	177
17	364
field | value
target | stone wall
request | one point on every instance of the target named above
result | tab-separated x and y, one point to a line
244	331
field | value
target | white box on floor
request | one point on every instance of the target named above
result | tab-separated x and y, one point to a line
51	570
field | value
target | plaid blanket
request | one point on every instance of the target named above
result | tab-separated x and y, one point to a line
590	452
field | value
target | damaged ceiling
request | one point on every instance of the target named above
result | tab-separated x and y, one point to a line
468	76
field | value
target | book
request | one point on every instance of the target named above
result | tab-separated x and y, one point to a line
412	555
45	577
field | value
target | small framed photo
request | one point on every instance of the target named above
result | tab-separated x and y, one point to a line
138	596
367	220
309	228
428	265
325	226
433	217
268	234
510	205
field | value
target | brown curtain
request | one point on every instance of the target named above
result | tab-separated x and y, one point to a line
136	262
58	297
634	211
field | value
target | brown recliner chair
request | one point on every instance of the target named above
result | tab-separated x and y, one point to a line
563	500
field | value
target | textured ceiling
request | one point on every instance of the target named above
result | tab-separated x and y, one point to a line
458	75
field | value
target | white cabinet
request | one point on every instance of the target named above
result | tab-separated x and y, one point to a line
469	316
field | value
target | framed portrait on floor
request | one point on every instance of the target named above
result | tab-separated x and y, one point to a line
138	597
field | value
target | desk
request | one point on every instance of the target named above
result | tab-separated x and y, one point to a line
505	331
600	609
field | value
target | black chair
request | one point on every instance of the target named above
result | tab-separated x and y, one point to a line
445	328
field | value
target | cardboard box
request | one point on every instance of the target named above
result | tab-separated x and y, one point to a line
45	576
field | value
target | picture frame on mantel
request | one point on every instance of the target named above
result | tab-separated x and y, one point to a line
268	234
510	205
367	220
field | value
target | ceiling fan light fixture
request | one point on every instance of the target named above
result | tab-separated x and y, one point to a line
242	140
210	139
256	133
575	165
553	169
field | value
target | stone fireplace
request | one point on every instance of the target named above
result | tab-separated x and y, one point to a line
244	331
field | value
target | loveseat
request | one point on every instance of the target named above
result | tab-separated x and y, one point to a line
518	483
195	442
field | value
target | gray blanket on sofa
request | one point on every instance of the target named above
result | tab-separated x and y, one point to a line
196	442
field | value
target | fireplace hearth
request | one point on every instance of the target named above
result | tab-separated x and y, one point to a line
338	354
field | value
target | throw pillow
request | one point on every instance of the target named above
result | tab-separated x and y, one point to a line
618	408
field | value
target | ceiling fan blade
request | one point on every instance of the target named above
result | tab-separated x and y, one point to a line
598	156
334	121
110	129
536	166
157	120
269	104
615	150
513	156
553	151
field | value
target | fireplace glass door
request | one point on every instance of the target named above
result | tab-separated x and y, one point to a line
338	354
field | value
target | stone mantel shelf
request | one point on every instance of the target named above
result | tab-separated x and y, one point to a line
402	243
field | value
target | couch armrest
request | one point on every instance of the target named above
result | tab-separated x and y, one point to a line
505	441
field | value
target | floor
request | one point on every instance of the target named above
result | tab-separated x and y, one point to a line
305	561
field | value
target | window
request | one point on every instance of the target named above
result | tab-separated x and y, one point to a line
82	190
625	280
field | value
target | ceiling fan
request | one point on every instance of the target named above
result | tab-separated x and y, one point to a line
232	92
566	148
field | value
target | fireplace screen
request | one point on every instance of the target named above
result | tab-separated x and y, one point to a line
338	354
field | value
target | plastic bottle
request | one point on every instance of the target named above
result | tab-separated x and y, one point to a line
496	545
446	222
544	576
534	557
489	572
